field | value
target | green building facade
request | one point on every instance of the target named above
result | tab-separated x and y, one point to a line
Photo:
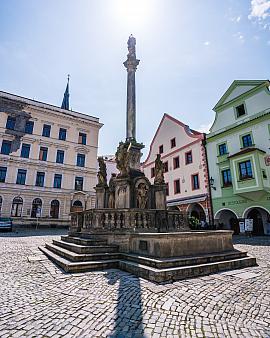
238	150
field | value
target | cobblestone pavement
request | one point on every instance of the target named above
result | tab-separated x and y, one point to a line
39	300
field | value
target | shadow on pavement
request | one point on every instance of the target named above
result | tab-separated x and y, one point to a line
255	240
30	232
129	316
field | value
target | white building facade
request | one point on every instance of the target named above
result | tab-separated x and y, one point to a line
47	160
183	154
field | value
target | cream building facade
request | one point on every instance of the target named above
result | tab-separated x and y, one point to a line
186	175
47	160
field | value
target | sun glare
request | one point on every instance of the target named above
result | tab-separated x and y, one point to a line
133	13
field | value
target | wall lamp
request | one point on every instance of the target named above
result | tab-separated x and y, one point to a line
212	183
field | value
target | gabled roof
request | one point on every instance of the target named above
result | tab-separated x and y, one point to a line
236	83
190	132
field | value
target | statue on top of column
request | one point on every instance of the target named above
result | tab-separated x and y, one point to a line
131	46
102	172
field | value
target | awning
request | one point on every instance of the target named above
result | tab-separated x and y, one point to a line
196	199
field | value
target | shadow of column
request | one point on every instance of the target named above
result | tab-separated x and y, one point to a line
129	316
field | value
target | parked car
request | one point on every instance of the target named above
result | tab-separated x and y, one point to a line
5	223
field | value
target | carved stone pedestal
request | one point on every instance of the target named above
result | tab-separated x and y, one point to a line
101	196
160	196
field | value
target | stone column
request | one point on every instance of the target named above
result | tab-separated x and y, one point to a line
131	65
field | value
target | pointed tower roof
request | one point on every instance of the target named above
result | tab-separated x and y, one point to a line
65	102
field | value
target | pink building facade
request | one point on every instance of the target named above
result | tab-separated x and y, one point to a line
185	167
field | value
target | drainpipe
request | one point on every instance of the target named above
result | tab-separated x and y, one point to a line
208	178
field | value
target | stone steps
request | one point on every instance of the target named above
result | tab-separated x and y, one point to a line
76	254
69	266
83	249
184	272
161	263
78	257
83	241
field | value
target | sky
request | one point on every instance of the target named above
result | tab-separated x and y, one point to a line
190	51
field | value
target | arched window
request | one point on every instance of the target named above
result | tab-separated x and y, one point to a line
36	208
1	202
54	212
17	205
77	204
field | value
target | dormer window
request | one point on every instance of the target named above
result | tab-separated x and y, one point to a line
240	110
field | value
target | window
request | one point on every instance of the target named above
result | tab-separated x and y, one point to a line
165	167
60	156
80	160
6	147
264	174
82	138
222	149
57	181
17	205
21	176
46	130
173	143
25	151
177	186
40	179
3	173
176	162
43	154
189	157
195	182
62	134
1	203
152	172
226	177
247	141
167	189
245	170
240	110
10	123
161	149
79	183
29	126
36	208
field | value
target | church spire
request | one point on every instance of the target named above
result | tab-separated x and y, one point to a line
65	102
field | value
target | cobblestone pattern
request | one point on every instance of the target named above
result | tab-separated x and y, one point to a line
39	300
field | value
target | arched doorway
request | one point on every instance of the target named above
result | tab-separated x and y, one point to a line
260	219
54	212
227	219
36	208
77	206
196	210
17	205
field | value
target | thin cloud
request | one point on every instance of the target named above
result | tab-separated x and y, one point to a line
206	43
260	9
205	128
240	37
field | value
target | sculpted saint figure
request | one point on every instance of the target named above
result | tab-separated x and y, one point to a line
122	159
159	171
131	46
102	173
142	196
111	202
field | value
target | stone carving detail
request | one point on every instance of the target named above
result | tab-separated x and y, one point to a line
142	195
122	159
111	201
159	171
102	173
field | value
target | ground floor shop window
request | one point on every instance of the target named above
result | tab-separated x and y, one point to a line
54	212
17	205
36	208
